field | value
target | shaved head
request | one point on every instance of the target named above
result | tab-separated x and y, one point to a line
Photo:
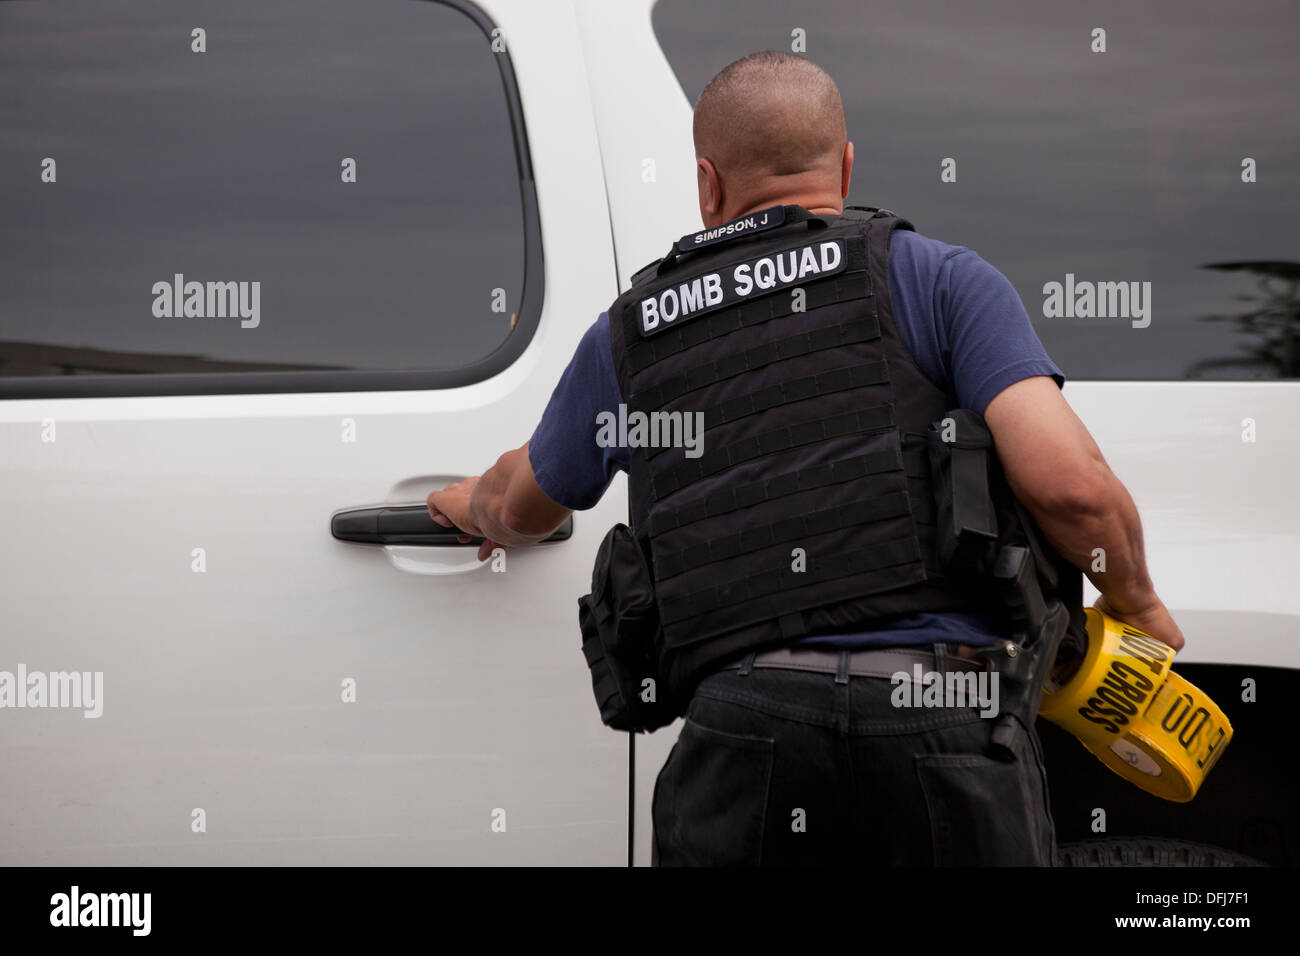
771	114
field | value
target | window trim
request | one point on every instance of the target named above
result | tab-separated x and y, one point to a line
255	383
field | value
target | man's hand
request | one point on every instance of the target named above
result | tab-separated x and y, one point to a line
451	508
1154	619
504	505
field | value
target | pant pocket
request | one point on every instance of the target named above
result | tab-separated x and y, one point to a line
710	803
986	812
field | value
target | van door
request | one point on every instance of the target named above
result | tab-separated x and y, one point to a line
262	264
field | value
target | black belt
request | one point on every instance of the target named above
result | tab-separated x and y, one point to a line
876	662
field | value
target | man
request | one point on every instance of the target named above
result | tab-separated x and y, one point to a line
800	754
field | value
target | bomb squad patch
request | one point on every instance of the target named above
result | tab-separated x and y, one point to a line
730	285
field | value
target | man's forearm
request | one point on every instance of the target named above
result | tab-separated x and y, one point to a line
489	509
1103	537
504	505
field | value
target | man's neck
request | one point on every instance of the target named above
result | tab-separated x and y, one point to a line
821	209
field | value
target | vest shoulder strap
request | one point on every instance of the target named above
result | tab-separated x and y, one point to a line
867	213
646	272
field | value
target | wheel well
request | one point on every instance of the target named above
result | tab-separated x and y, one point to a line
1247	804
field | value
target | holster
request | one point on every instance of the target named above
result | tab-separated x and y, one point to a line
990	546
622	636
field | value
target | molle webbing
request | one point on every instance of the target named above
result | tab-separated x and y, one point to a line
729	499
885	555
893	505
687	472
713	373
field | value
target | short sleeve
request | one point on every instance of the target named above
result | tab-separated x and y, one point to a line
568	464
986	337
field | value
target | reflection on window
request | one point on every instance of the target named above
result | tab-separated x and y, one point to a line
354	160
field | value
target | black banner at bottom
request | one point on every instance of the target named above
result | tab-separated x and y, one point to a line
116	905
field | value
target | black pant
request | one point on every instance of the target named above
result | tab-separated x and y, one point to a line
788	768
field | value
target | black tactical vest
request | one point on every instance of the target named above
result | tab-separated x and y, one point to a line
809	510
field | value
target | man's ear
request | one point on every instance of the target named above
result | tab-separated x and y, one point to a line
710	187
846	172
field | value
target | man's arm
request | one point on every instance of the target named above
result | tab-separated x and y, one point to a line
1057	471
508	505
505	505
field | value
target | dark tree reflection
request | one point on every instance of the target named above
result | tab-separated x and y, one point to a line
1273	321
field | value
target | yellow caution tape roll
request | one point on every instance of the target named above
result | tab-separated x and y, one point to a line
1121	674
1143	721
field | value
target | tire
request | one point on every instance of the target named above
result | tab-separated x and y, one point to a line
1148	851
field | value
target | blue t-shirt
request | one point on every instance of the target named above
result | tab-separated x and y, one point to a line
960	319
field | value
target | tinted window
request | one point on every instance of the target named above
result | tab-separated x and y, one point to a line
1112	167
227	167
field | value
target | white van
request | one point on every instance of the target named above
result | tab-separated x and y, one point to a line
264	266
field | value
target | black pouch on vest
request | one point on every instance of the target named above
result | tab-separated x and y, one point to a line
960	449
977	515
621	637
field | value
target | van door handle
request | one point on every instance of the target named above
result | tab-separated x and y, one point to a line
410	525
